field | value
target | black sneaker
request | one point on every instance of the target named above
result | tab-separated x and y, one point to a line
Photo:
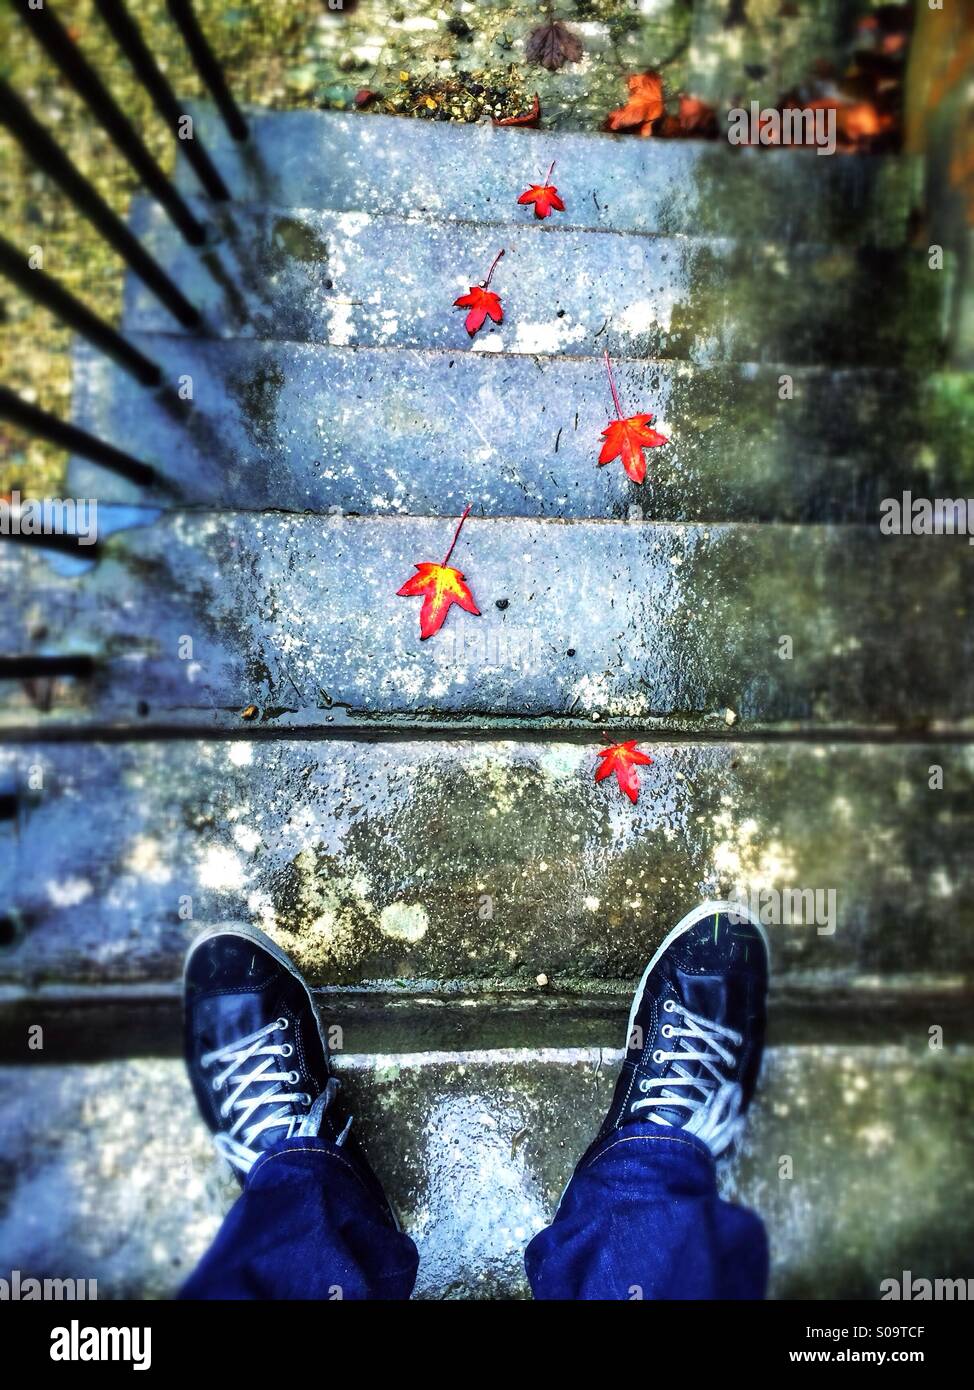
696	1028
257	1059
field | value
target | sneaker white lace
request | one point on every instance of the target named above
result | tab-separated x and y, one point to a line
716	1106
295	1112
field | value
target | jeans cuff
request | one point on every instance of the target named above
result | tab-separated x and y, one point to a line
675	1141
310	1144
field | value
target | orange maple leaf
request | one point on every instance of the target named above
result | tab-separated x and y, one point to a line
544	196
627	437
645	104
623	759
439	586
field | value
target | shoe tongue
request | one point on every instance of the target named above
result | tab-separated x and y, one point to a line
226	1018
703	995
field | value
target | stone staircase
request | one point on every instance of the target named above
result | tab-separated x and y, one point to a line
419	825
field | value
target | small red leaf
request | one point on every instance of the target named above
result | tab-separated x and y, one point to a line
623	759
627	436
626	439
544	196
482	303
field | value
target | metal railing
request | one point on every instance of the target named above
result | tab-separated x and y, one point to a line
44	150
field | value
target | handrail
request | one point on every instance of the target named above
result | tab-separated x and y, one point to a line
205	61
128	36
53	38
47	291
47	154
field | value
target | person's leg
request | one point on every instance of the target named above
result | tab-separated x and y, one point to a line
641	1217
312	1221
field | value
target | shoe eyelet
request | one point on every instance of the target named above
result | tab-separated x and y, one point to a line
287	1049
215	1083
644	1086
669	1005
666	1031
282	1023
658	1056
293	1078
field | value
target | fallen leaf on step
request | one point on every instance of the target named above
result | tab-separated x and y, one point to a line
552	45
439	586
623	760
645	104
696	117
544	196
529	118
482	302
626	437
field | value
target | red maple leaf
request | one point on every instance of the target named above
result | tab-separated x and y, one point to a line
627	437
439	586
623	759
544	196
482	302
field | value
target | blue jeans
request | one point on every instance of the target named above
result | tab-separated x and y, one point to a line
641	1218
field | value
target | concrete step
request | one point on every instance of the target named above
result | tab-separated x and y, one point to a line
474	173
364	280
441	874
304	426
474	1149
197	617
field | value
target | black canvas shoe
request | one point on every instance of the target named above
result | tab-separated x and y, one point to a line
696	1028
257	1059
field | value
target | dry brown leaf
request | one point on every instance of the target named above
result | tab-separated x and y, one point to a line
552	45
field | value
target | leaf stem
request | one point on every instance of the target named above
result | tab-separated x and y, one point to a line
490	273
547	177
456	534
615	393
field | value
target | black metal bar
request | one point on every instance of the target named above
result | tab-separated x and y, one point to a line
67	436
129	39
18	668
208	66
54	39
37	284
62	542
39	145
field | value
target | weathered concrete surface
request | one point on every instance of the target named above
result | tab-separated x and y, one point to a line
352	162
361	280
106	1172
309	427
428	864
628	623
